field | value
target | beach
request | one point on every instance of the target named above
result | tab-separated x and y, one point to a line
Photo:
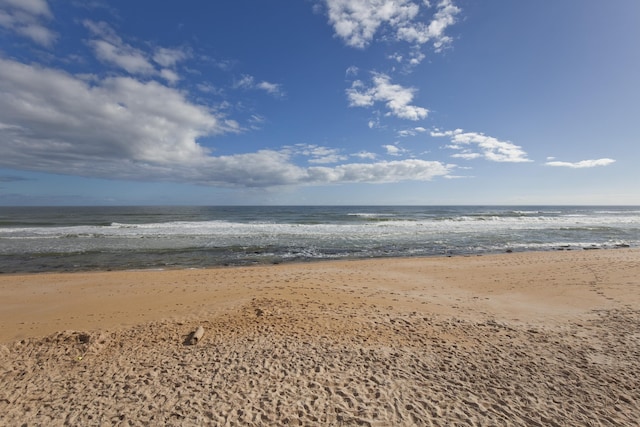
536	338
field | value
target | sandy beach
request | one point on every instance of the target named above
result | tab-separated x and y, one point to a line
538	339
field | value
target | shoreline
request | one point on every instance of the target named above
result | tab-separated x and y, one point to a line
519	338
222	274
327	259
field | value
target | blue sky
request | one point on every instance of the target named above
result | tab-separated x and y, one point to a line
319	102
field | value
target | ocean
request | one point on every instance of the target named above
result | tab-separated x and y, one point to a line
48	239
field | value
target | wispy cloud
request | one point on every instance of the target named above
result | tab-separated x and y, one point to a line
111	49
123	56
474	145
396	98
26	17
249	82
365	155
581	164
169	57
274	89
411	132
352	71
316	154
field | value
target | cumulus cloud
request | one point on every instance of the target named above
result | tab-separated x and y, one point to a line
123	128
582	164
421	33
357	22
26	17
397	99
58	116
473	145
394	150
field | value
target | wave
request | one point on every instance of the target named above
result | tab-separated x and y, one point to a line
463	223
371	215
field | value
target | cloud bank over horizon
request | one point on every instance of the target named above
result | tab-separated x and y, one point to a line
582	164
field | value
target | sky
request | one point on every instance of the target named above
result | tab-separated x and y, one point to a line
312	102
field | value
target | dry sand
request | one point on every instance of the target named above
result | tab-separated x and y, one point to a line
541	339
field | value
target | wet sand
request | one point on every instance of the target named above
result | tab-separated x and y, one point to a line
549	338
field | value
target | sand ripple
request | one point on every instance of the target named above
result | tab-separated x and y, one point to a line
276	362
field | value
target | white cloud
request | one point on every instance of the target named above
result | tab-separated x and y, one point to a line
33	7
102	30
396	98
209	88
25	17
122	128
473	145
245	82
272	168
249	82
411	132
111	49
421	33
416	58
365	155
256	121
358	21
265	168
581	164
169	75
61	119
271	88
169	57
124	56
352	71
380	172
394	150
317	154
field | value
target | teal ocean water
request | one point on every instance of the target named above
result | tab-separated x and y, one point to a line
35	239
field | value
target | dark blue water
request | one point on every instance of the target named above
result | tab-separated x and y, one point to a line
34	239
